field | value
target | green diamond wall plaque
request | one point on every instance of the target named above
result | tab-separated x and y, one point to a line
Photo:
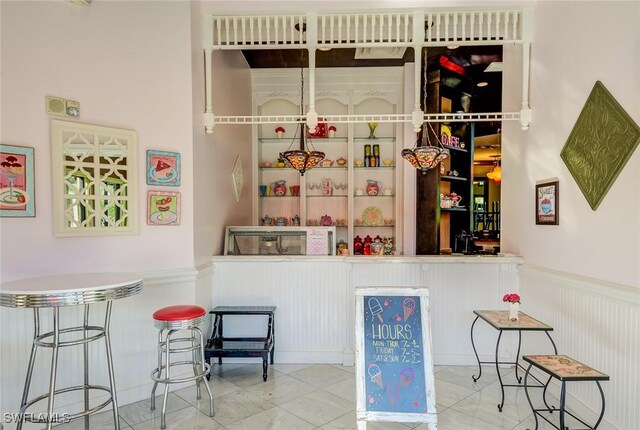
600	144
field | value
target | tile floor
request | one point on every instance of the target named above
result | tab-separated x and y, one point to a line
321	397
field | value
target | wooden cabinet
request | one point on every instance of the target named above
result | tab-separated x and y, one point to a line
341	191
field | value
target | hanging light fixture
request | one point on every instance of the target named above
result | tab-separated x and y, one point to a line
496	172
426	156
304	158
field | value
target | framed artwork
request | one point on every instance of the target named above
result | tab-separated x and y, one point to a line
17	197
163	208
163	168
547	203
238	178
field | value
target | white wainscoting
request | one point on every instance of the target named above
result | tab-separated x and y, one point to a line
315	301
133	339
598	324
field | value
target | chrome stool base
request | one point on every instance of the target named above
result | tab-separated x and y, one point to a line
200	367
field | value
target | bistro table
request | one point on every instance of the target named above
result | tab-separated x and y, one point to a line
60	291
565	369
501	322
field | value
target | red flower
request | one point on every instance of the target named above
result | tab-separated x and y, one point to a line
511	298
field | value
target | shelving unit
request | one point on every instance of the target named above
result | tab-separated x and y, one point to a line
447	92
454	220
342	203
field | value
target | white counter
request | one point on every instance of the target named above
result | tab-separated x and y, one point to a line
315	303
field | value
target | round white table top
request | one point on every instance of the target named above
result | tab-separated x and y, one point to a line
71	289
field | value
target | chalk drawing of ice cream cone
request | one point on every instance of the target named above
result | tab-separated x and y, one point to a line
376	308
406	376
408	305
376	375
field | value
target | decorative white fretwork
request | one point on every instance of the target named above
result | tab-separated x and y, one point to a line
416	30
94	179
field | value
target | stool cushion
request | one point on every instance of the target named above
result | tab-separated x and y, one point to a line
178	313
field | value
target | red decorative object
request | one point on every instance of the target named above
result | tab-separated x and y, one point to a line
279	188
320	131
511	298
357	245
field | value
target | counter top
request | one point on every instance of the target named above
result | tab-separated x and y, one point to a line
367	259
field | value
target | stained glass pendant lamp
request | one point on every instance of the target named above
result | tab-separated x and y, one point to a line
425	156
303	158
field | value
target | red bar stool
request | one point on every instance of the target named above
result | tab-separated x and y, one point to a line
173	319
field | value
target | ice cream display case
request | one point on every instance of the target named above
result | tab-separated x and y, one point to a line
272	240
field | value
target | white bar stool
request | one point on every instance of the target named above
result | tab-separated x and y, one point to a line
173	319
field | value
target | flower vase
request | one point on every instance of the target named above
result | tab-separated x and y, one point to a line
513	311
372	129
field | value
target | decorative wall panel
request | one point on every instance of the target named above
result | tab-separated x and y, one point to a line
602	140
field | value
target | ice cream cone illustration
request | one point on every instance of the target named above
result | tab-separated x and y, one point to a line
376	375
408	305
375	308
406	376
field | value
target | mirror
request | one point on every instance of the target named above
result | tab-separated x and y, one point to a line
94	180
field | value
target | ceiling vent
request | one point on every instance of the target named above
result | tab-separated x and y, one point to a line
379	53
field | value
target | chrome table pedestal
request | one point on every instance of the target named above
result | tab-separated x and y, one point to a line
56	292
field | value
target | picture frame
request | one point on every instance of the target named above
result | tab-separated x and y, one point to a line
163	208
163	168
237	176
17	181
547	203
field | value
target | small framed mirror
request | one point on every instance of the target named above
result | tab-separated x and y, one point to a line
94	180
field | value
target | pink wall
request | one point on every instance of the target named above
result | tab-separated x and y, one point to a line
215	204
568	56
129	66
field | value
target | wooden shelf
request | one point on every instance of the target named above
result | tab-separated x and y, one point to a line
454	148
452	178
374	168
375	139
288	140
330	167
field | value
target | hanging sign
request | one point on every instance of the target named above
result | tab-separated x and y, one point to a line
394	363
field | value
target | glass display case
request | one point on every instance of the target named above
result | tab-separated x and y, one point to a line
270	240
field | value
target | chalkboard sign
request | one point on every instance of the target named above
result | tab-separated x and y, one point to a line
394	362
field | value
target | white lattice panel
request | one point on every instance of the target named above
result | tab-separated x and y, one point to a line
94	171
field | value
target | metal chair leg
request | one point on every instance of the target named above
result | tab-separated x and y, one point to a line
194	360
159	369
204	369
